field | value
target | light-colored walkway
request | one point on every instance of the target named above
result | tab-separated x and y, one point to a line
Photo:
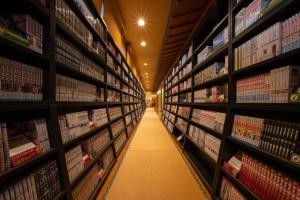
153	168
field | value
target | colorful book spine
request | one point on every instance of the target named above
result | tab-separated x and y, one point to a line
209	119
279	138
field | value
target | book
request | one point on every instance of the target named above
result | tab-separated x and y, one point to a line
74	161
211	72
273	87
229	192
117	126
215	94
119	141
280	138
183	112
69	89
20	81
114	112
42	183
209	119
113	96
181	124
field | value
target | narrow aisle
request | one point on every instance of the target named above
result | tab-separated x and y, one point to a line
153	168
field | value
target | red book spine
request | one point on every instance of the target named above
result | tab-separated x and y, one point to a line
24	156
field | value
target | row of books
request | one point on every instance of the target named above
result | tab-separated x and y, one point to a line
22	29
229	191
113	96
95	22
67	16
185	84
221	39
73	125
280	38
117	126
20	81
182	61
184	111
210	119
181	124
119	141
113	65
41	184
88	184
69	55
127	119
273	87
22	141
185	98
126	109
113	81
114	112
205	141
280	138
74	162
69	89
185	70
248	15
213	71
266	182
114	50
215	94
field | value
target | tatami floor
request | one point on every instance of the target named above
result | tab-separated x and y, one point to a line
152	168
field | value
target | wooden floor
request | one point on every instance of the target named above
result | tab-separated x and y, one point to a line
152	168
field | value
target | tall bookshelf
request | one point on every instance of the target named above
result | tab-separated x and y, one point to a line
127	96
180	104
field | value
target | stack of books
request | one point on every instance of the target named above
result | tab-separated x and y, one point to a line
114	112
119	141
279	138
228	191
20	81
68	89
209	119
211	72
113	96
42	183
117	126
74	160
94	144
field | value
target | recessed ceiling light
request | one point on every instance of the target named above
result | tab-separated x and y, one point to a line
145	64
143	44
141	22
146	73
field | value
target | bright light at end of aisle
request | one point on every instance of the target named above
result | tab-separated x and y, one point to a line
141	22
143	44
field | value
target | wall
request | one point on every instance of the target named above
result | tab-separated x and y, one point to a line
115	23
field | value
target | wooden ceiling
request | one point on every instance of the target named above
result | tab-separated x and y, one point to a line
184	20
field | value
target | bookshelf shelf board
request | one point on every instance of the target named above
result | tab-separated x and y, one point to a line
279	12
35	8
212	82
240	185
23	105
113	72
278	107
184	91
25	167
77	140
213	33
60	196
204	156
70	72
97	190
90	165
116	135
22	53
66	104
266	65
122	147
185	77
67	34
114	88
268	156
209	130
114	103
217	54
116	118
243	3
82	18
114	57
200	170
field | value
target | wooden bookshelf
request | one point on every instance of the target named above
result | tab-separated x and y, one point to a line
49	108
211	175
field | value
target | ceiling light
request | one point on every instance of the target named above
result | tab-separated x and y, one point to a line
146	73
143	44
141	22
145	64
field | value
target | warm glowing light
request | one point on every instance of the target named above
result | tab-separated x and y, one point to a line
145	64
143	44
141	22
